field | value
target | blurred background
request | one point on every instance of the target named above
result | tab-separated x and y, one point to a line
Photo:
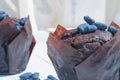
46	14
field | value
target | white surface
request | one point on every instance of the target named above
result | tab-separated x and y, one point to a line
39	60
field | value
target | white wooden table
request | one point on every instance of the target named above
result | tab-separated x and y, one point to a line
39	60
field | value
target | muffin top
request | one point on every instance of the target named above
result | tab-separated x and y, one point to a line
89	36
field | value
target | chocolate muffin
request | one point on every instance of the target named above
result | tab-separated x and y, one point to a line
89	52
16	43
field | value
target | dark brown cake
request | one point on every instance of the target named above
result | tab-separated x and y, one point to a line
16	44
92	56
87	43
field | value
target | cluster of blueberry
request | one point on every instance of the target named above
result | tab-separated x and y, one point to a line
34	76
92	26
29	76
19	25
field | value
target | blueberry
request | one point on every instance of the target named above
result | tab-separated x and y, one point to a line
51	77
100	26
112	29
83	28
35	76
86	28
3	15
25	76
18	26
89	20
22	21
92	28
